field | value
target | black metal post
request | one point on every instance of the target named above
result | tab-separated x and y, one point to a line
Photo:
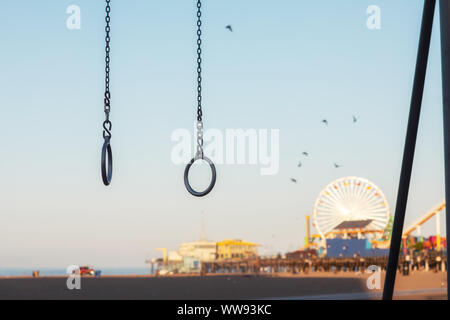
445	56
410	146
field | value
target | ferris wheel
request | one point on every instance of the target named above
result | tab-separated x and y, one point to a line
351	200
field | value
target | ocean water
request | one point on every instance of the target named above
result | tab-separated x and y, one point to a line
15	272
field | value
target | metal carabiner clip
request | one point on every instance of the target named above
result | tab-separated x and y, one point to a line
107	162
200	156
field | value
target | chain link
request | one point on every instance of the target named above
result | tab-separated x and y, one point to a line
199	81
107	125
199	155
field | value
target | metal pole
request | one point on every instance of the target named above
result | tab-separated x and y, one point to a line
445	56
410	146
307	232
438	231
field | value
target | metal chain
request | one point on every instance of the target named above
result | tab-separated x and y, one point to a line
199	81
107	125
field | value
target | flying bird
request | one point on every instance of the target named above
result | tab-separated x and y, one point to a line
355	119
300	164
229	28
337	166
306	154
325	121
294	180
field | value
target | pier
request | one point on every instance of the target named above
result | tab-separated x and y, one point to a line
431	263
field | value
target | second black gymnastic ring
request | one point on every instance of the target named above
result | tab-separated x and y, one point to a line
107	168
213	179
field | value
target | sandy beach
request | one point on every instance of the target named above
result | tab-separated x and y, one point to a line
316	286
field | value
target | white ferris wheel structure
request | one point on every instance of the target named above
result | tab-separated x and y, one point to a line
351	203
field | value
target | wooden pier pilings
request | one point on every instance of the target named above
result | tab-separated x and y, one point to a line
305	266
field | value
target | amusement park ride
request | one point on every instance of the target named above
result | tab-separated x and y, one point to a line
416	225
353	207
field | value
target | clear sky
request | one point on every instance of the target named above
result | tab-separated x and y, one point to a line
287	65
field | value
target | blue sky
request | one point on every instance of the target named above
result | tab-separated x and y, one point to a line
287	66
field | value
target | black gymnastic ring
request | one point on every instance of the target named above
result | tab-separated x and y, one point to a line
213	179
107	169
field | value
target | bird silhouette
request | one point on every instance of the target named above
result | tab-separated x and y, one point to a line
306	154
337	166
294	180
229	28
300	164
325	121
355	119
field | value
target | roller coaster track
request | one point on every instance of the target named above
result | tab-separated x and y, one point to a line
423	219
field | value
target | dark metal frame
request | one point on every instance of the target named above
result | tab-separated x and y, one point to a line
413	125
